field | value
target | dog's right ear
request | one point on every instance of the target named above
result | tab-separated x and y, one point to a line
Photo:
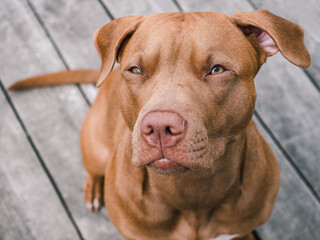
108	40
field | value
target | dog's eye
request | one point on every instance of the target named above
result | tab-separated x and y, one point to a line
135	70
217	69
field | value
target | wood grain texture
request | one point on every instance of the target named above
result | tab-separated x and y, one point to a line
120	8
29	206
22	43
296	214
229	7
307	15
53	116
71	25
289	104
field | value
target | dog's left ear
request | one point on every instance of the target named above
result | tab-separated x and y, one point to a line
275	34
108	40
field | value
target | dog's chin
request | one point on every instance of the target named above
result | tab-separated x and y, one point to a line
167	167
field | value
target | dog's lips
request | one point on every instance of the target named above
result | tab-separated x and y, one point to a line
166	166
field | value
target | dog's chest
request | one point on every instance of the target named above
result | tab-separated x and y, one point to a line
192	225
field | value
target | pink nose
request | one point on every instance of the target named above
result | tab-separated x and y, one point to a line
162	129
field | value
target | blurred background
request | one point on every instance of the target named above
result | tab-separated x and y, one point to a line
41	173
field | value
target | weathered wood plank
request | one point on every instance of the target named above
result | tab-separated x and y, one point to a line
53	116
21	46
305	14
289	104
120	8
296	214
229	7
29	206
71	25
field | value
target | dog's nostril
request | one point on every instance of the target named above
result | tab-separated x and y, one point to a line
168	130
150	130
175	129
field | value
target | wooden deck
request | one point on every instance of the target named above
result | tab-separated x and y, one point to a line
41	173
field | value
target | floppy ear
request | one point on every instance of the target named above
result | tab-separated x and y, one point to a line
275	34
108	40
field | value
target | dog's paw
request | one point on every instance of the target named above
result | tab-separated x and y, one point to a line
93	192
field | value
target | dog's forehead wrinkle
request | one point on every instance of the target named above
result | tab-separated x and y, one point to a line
168	29
181	39
136	57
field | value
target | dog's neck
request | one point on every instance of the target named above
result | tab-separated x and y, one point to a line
203	189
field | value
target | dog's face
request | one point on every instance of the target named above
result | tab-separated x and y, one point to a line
187	87
201	69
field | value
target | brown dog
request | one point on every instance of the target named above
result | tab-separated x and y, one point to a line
171	129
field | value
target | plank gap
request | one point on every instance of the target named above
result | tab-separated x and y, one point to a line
105	8
55	46
252	4
312	80
178	5
288	157
40	159
78	85
256	235
45	29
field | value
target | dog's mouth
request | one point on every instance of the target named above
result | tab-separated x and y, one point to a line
167	167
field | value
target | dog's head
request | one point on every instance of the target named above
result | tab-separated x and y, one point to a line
187	80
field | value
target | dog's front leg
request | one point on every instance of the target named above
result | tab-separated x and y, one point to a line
95	161
93	191
95	156
247	237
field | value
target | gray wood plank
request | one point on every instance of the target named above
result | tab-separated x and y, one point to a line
21	46
289	104
120	8
296	214
229	7
306	14
53	116
29	206
71	25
